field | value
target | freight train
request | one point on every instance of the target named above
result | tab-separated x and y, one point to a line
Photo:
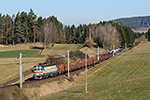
46	69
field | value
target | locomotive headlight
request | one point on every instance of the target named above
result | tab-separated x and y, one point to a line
37	73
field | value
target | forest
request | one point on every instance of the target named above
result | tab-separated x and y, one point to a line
28	28
135	22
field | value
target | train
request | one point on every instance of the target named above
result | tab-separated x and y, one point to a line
48	69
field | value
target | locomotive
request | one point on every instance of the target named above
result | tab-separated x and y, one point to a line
44	70
47	69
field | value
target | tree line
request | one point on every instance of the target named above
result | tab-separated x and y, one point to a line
135	22
20	28
28	28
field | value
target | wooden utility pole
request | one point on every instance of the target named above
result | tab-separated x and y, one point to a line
68	65
85	72
98	54
113	50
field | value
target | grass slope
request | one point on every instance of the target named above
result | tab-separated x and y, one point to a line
59	47
127	76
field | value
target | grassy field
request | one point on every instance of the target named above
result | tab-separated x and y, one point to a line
124	77
21	47
15	53
9	67
9	61
61	47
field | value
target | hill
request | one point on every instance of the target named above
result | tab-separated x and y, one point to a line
136	23
126	76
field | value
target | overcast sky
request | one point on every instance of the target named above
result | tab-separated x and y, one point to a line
78	11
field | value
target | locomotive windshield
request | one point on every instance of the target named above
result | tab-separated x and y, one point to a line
37	68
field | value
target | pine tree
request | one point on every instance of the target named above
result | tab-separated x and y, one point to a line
1	39
18	36
24	27
31	25
13	29
148	35
8	30
40	24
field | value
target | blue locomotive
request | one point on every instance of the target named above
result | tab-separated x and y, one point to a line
44	70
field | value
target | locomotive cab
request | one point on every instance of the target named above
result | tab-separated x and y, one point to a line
38	72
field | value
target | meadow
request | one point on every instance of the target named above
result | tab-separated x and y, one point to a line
9	58
61	48
123	77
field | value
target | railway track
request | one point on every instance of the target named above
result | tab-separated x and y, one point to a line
16	78
30	82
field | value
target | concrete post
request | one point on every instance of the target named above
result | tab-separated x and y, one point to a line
20	71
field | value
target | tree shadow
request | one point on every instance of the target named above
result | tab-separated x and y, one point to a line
35	47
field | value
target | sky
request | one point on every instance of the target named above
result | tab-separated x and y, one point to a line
78	12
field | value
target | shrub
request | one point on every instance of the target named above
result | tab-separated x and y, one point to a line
89	42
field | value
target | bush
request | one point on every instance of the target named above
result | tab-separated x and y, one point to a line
55	60
12	93
76	54
89	42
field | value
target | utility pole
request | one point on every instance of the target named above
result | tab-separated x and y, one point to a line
98	55
103	46
68	64
113	50
20	71
45	42
85	72
89	33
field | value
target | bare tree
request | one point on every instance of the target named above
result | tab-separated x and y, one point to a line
49	33
106	35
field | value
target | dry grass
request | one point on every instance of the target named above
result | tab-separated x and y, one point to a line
60	48
18	47
10	70
12	93
9	67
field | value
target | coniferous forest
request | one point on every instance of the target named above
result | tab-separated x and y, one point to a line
28	28
135	22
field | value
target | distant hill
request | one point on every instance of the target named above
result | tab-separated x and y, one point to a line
136	23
